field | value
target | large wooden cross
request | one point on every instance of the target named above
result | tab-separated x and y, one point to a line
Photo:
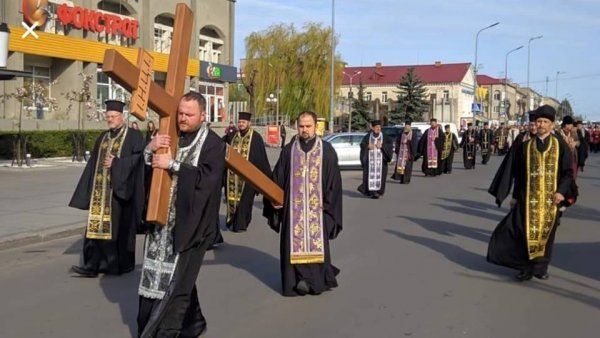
146	93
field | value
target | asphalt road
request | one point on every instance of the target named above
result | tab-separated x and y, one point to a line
412	265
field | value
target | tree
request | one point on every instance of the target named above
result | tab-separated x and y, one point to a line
85	103
565	109
412	102
31	92
360	110
298	63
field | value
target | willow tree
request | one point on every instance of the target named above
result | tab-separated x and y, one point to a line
296	62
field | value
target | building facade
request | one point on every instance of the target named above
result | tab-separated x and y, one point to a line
73	36
449	88
501	102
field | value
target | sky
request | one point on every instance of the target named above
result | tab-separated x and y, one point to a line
402	32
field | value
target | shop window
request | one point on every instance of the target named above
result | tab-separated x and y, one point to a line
39	86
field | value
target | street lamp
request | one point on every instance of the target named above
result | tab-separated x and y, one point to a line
272	100
277	95
528	64
331	94
351	98
475	69
506	76
4	33
556	90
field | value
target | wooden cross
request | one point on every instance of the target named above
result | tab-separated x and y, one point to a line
165	102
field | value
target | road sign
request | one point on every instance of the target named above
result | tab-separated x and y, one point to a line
476	107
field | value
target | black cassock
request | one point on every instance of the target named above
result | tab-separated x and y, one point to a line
422	150
197	211
386	151
117	255
257	156
508	244
485	139
469	149
447	162
412	148
584	147
319	277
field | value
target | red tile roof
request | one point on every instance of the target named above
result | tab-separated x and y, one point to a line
384	75
485	80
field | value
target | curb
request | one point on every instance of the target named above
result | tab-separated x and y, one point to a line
39	236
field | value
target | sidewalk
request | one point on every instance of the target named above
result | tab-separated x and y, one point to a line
34	202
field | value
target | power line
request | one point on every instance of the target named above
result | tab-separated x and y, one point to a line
580	77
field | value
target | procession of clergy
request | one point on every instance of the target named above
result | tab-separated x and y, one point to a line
114	186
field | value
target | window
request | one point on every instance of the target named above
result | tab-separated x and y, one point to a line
496	109
368	96
163	36
345	139
39	84
497	95
107	89
446	97
53	25
384	97
210	45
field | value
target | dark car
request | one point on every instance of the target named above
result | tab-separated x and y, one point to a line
394	131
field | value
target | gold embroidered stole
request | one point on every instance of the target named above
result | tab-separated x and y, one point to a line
99	225
447	146
540	210
306	205
235	185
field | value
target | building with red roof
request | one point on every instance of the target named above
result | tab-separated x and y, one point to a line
449	88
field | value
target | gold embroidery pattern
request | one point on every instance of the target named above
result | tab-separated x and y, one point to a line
235	185
540	211
99	225
447	146
306	209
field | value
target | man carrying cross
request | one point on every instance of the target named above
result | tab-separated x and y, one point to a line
173	253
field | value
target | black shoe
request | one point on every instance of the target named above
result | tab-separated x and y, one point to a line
83	272
302	288
523	276
542	276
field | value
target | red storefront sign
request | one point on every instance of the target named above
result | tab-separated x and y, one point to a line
97	22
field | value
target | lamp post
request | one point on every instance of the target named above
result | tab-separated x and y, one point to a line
273	101
556	90
331	93
475	70
277	94
4	33
528	64
506	76
351	98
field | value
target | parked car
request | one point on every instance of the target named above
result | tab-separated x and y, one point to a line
347	147
394	131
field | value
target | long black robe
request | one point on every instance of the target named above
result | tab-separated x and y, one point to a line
447	162
508	244
422	150
319	277
257	156
584	147
117	255
485	140
469	149
387	152
197	212
501	136
412	146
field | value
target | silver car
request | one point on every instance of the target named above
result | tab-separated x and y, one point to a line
347	147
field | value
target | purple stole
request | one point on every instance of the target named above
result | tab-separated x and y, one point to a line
306	205
432	152
403	153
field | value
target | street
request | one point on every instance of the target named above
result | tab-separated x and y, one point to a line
412	265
